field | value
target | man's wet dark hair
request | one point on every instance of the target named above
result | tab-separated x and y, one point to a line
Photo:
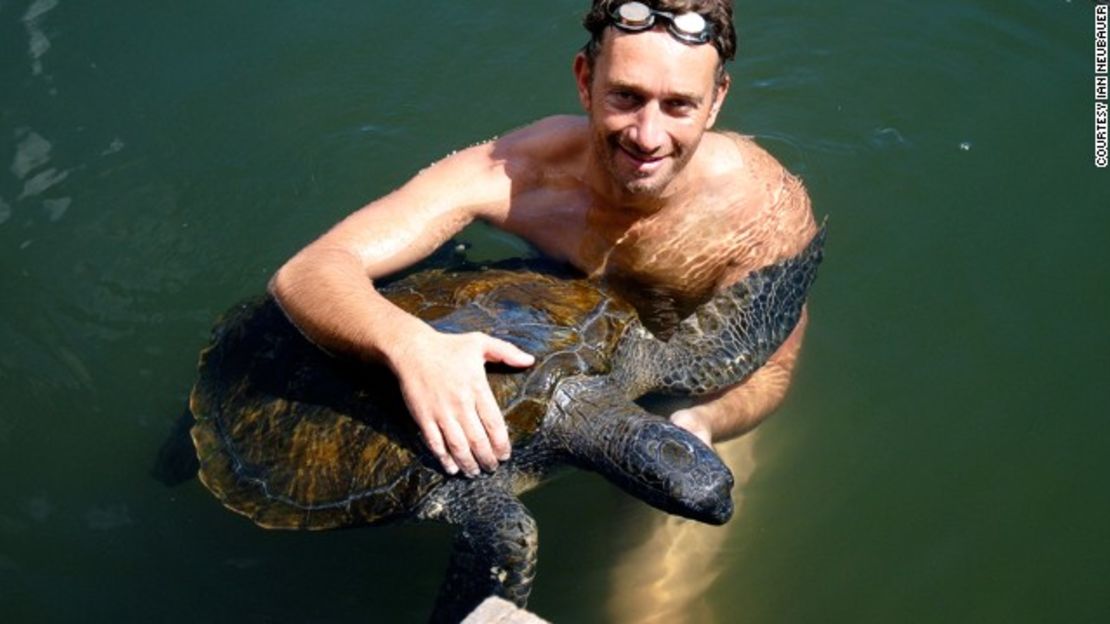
717	12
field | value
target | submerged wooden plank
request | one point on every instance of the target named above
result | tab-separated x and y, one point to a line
494	610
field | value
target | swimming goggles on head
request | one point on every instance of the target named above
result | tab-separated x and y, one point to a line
687	27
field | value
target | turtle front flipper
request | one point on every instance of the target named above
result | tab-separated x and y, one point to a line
645	455
725	339
494	550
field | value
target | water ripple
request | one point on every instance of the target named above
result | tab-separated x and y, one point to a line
114	147
797	76
887	138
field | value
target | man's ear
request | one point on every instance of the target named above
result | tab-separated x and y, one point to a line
582	79
719	93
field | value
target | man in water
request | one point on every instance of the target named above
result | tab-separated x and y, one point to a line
639	192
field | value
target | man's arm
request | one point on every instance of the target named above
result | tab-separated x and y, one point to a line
741	408
327	291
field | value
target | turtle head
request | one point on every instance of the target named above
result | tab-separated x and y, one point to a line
670	468
654	460
646	455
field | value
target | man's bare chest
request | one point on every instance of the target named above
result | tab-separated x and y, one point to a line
665	263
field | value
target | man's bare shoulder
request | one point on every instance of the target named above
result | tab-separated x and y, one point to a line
735	154
769	199
482	178
548	141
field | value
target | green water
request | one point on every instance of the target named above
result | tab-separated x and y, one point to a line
941	456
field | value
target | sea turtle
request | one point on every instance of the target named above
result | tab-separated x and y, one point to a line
294	438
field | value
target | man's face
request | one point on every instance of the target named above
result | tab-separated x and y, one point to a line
650	98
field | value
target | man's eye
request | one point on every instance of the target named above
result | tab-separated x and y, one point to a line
624	99
680	107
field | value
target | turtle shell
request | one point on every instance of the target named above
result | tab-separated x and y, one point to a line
295	438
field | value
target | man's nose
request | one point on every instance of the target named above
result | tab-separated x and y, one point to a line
647	132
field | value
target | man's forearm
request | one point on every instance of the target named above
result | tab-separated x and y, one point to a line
741	408
329	297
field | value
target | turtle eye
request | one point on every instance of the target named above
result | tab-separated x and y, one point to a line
676	453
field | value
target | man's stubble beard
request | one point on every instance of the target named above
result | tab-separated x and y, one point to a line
607	150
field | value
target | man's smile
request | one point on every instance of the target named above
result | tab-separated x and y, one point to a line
643	163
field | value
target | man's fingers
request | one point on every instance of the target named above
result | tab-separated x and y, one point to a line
478	439
458	445
494	424
501	351
430	431
434	440
453	405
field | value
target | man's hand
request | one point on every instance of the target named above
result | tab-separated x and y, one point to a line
443	380
689	420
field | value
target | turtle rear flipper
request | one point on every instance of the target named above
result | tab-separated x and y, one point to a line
494	550
176	462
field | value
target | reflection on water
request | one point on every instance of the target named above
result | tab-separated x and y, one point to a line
666	577
32	152
37	42
30	166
